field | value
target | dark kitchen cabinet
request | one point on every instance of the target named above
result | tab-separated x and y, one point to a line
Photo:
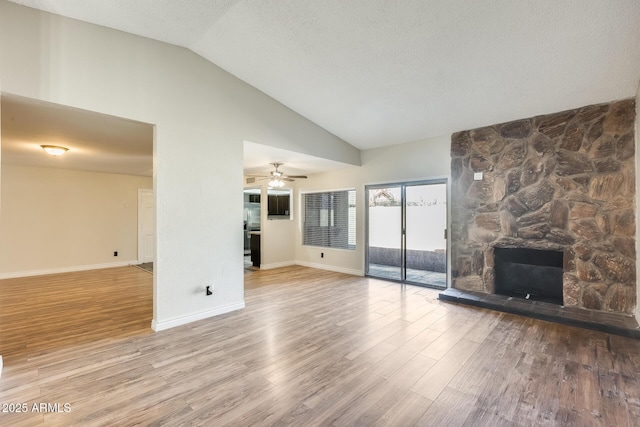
255	248
278	205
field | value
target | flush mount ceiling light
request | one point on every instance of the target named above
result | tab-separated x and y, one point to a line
54	150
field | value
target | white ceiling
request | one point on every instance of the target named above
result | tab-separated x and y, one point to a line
258	159
382	72
96	142
102	143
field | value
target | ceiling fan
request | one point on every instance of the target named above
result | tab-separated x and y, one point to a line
276	177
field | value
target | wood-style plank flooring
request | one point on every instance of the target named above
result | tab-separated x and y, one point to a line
311	348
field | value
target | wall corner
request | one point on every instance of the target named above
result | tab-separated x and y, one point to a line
637	172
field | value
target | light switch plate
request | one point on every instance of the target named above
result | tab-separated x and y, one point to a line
477	176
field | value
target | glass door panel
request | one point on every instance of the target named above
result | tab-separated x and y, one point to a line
406	226
426	246
385	232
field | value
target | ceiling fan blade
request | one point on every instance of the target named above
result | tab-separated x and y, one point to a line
297	176
287	179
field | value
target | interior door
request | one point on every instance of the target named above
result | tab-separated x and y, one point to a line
146	226
406	233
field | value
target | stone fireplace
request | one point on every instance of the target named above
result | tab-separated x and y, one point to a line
562	183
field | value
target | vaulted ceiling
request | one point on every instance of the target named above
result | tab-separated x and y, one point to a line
381	72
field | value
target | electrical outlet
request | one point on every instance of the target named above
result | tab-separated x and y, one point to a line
115	253
477	176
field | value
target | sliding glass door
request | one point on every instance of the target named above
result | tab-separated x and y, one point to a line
384	247
406	227
426	223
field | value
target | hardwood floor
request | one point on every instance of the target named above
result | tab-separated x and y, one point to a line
44	313
311	348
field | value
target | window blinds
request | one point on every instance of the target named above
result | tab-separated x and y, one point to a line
329	219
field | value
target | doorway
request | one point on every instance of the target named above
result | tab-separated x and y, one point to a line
146	226
406	226
252	226
90	191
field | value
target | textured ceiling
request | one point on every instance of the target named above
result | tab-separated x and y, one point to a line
381	72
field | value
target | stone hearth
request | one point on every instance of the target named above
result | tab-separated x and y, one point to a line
561	182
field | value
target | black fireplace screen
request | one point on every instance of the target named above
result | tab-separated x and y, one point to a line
529	273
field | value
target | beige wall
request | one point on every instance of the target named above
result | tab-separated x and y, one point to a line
281	239
201	114
422	160
56	220
277	235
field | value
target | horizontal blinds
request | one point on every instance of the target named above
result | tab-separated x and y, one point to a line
329	219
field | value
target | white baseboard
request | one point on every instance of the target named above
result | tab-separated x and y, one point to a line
183	320
72	269
351	271
276	265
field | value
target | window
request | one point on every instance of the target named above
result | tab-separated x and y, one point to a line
330	219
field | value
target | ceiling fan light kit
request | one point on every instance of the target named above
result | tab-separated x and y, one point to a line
276	183
276	178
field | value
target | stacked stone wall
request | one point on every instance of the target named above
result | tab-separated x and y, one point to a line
563	181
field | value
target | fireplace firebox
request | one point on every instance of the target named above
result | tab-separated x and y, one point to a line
531	274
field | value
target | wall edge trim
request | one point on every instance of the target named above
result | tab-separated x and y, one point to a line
351	271
200	315
71	269
277	265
